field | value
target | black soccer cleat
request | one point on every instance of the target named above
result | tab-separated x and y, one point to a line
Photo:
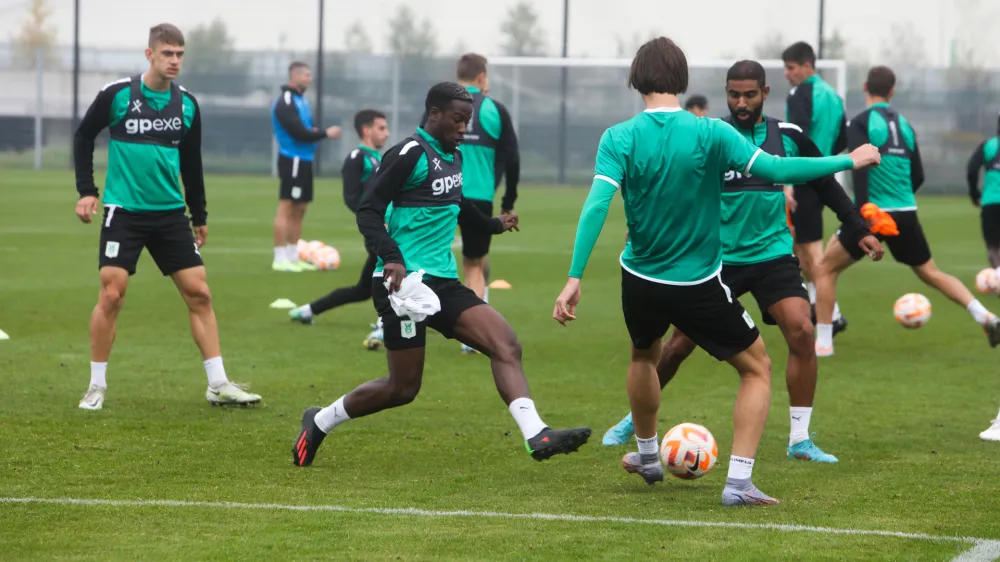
839	325
992	329
309	439
550	442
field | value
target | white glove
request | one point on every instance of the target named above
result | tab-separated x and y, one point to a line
414	300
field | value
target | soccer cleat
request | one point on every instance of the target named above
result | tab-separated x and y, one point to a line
992	329
309	439
550	442
301	314
651	473
468	350
285	267
839	325
620	433
808	451
747	494
991	434
304	266
375	339
231	394
93	399
824	351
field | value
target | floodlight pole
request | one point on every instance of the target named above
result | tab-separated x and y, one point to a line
76	70
819	43
319	86
564	78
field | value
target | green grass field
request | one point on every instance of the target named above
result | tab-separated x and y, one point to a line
902	409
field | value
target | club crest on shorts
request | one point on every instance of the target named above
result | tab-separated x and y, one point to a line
111	249
407	328
296	192
748	320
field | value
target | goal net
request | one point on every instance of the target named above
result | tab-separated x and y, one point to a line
558	149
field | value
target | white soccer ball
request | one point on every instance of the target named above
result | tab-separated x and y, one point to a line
987	281
689	451
912	310
327	259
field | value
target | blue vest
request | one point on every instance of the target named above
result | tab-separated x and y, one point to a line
288	146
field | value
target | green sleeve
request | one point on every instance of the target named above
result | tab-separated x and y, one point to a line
595	211
797	170
734	151
791	147
418	175
489	116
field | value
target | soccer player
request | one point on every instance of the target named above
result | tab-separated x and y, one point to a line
697	104
670	165
887	195
155	139
757	254
291	118
489	152
816	108
987	155
421	178
359	167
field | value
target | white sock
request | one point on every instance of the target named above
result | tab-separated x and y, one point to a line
523	410
306	310
649	449
216	372
812	292
978	311
800	424
836	311
332	416
740	468
279	254
824	335
998	415
292	252
98	371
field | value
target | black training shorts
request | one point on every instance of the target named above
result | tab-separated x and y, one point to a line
403	333
166	234
707	313
296	177
807	219
990	215
908	248
769	282
475	239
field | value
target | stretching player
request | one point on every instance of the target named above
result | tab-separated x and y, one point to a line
421	178
886	195
816	108
987	155
757	255
155	139
359	167
670	166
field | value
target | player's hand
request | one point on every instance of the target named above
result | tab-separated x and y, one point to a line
865	156
200	235
394	273
333	132
86	207
565	309
509	221
872	247
790	201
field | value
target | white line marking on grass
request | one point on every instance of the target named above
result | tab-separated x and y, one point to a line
984	549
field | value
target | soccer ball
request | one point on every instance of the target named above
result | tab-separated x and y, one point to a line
308	251
912	310
987	281
327	259
689	451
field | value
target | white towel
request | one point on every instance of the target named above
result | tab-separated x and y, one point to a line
414	300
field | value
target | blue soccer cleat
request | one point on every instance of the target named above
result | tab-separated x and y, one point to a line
620	434
808	451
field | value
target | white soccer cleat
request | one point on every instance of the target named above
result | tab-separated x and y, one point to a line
231	394
991	434
824	351
93	399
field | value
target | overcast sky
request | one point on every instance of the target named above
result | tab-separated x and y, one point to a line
704	28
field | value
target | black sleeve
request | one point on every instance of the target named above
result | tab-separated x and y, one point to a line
800	108
857	135
480	219
388	181
285	111
916	166
829	190
508	158
192	173
841	143
350	175
976	163
94	121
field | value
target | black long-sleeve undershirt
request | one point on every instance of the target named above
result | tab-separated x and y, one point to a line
976	163
289	118
508	158
351	174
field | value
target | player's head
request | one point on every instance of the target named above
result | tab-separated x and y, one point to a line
746	91
449	108
472	71
165	52
881	83
800	62
372	128
659	67
697	104
299	76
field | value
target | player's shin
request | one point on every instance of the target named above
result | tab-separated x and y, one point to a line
753	399
643	387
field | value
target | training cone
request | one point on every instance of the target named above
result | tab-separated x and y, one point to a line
3	335
500	284
282	303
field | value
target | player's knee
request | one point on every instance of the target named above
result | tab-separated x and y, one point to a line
404	392
111	298
800	336
198	297
677	348
508	350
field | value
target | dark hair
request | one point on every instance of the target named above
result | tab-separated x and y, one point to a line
443	93
365	118
470	65
659	67
166	33
799	53
881	81
696	100
748	70
295	66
